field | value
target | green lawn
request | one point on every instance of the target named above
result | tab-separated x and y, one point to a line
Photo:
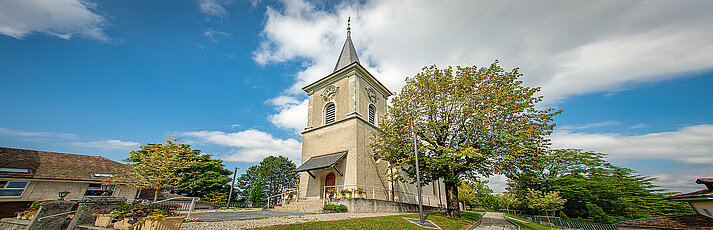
387	222
530	225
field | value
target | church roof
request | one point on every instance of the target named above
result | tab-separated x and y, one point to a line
348	54
321	162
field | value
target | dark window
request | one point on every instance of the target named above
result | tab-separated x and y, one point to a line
96	190
372	114
12	188
329	116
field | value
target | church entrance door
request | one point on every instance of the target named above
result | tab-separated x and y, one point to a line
329	181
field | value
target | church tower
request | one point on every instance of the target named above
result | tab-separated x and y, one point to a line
344	110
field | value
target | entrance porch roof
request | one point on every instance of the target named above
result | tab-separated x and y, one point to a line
321	162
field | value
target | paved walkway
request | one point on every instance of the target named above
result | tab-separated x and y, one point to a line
494	221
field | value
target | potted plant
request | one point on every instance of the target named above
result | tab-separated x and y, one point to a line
359	193
29	213
163	220
331	193
333	208
345	193
104	218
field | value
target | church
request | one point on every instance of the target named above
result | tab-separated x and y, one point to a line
345	108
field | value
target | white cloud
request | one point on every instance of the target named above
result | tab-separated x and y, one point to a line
691	144
568	48
292	113
253	145
211	34
9	132
589	126
108	144
61	18
213	7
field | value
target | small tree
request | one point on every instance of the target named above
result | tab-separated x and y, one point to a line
508	201
256	194
216	197
466	194
162	165
545	202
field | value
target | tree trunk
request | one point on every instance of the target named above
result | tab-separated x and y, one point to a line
155	195
452	200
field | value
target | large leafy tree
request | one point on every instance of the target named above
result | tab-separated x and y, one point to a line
469	122
162	166
276	173
205	176
590	183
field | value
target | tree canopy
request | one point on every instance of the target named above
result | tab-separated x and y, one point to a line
275	173
205	176
162	166
595	189
469	122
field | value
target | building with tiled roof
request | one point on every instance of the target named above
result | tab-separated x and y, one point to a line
30	175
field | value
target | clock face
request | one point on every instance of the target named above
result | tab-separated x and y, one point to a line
371	93
329	92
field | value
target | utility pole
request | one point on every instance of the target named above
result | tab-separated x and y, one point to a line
418	174
232	185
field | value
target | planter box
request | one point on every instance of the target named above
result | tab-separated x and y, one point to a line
123	224
345	195
360	195
168	223
104	220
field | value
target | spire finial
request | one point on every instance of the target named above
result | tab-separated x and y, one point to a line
349	25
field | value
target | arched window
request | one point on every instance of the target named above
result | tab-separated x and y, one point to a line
372	114
329	113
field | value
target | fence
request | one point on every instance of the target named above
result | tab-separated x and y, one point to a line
559	222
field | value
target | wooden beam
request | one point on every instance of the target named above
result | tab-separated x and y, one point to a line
312	175
335	169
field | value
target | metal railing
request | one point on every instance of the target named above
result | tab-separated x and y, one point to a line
559	222
331	192
286	195
190	207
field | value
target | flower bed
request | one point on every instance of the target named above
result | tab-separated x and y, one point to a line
144	217
333	208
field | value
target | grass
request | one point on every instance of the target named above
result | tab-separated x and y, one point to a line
386	222
529	225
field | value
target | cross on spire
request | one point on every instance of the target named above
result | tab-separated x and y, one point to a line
348	54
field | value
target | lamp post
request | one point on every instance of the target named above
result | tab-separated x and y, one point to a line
418	174
62	194
232	185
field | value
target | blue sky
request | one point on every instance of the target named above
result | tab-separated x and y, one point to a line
102	77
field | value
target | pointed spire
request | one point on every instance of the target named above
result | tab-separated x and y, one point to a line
348	54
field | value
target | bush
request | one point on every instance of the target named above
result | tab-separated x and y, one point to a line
334	207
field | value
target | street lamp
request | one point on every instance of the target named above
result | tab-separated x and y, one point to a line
418	173
62	194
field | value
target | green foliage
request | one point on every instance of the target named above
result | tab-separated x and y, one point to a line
543	201
563	215
161	166
477	193
275	173
470	122
596	214
508	201
587	178
257	192
216	197
205	176
335	207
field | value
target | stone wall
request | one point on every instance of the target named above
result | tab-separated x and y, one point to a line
369	205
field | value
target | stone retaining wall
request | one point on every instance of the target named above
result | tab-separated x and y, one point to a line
359	205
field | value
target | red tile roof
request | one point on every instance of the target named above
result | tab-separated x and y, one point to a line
57	166
676	222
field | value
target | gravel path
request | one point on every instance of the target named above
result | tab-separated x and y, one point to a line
255	223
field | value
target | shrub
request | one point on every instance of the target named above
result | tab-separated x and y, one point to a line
335	207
